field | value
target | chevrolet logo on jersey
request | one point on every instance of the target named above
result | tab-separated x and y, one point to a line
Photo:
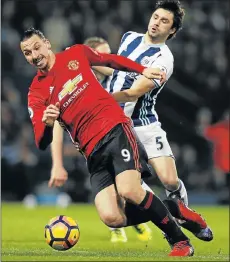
70	86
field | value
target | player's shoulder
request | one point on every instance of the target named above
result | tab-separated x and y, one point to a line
130	34
73	47
166	52
71	51
133	33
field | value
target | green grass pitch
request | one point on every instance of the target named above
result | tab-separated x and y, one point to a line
23	237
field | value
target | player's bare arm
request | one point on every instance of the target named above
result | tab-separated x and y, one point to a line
138	89
154	73
59	175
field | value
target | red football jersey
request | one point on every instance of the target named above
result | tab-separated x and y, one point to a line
86	109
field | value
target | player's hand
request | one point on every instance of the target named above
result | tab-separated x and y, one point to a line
51	114
163	77
154	73
58	176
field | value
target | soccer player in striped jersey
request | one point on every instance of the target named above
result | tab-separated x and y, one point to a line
138	96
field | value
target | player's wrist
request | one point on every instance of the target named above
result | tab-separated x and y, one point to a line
49	123
143	70
58	165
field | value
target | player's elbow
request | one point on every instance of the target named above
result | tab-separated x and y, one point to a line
132	97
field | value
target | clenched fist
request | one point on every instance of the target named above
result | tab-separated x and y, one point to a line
51	114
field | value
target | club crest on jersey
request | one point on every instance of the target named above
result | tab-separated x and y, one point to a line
73	65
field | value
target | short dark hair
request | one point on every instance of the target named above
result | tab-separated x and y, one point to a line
95	41
173	6
30	32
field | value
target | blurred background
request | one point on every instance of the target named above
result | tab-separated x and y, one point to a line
193	108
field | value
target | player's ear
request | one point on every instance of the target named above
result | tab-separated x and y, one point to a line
48	44
172	30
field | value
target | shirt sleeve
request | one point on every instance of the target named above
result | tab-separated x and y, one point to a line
42	133
114	61
165	64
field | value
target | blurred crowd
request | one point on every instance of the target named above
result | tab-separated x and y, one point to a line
193	107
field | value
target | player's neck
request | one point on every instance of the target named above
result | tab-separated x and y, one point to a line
150	41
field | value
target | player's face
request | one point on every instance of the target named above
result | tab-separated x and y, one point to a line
103	48
36	51
160	24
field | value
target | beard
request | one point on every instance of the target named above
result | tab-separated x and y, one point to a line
152	35
42	64
157	36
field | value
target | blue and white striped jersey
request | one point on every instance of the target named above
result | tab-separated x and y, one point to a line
132	45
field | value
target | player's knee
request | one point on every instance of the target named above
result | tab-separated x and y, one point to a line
113	220
171	183
128	194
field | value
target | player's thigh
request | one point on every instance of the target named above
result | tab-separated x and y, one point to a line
126	164
155	142
165	169
103	189
145	169
129	186
107	202
126	151
100	178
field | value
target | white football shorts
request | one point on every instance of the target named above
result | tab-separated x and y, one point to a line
154	139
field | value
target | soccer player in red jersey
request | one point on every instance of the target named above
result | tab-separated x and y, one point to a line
58	170
65	89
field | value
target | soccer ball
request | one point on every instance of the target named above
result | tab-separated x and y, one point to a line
62	233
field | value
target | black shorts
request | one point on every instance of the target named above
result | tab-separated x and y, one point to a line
118	151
